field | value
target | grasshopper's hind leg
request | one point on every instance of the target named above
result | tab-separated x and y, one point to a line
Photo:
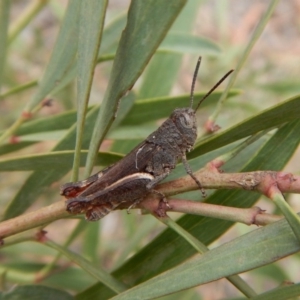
97	212
92	212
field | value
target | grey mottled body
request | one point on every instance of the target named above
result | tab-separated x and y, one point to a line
134	176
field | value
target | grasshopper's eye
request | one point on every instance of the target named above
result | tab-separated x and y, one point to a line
186	120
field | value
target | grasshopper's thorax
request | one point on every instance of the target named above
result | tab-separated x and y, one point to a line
185	121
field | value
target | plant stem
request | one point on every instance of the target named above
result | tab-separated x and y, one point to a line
252	181
19	89
28	14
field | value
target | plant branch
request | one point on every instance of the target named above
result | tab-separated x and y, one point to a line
33	219
209	177
249	216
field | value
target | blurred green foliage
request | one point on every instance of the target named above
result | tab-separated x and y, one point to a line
94	52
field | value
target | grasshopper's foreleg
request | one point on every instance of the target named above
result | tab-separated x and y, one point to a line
190	172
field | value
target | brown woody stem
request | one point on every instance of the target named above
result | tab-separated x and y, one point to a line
259	181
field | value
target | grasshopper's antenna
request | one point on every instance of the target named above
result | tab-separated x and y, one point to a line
214	87
194	82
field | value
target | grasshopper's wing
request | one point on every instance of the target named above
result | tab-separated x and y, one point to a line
130	189
134	162
73	189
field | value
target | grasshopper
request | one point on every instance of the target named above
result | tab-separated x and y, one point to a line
136	175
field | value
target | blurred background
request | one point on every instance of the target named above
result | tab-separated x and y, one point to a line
270	75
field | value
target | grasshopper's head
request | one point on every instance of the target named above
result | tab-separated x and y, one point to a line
186	123
185	118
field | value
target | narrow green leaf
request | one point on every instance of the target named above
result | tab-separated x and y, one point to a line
90	244
91	21
138	132
125	146
278	150
146	226
52	160
163	67
125	107
43	136
112	34
147	22
187	43
162	72
280	293
282	86
30	292
259	247
275	116
235	279
79	282
111	29
49	123
56	122
63	54
162	107
288	212
8	148
96	272
273	272
18	89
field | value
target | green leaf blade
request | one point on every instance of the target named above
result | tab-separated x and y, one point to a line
257	248
185	43
63	54
92	15
277	115
29	292
138	43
